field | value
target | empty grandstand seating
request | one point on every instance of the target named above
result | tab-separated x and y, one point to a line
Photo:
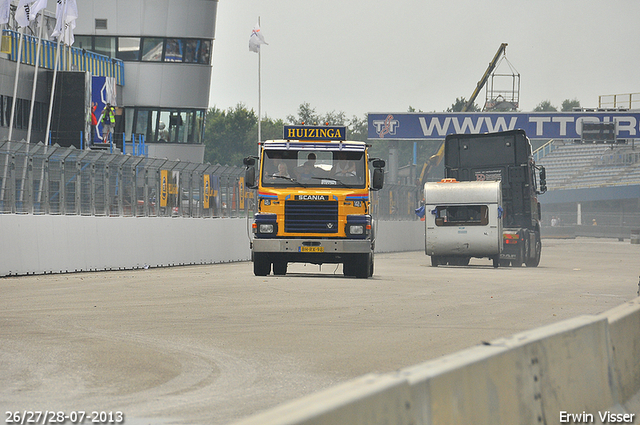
590	165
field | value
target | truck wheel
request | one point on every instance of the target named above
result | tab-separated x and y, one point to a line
347	269
496	261
533	262
520	256
434	261
261	264
362	266
280	268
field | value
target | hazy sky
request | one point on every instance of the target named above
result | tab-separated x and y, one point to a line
362	56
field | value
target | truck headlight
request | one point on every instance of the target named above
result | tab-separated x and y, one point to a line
356	229
266	228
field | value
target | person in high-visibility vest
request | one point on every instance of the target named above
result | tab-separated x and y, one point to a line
108	120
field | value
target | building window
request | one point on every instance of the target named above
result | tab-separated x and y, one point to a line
170	125
84	42
105	46
129	48
152	49
174	50
204	56
101	24
149	49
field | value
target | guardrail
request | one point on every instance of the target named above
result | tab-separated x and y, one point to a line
585	366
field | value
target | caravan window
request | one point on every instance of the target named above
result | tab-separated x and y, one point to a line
462	215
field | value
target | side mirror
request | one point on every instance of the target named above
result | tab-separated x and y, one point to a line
543	180
378	163
378	178
249	172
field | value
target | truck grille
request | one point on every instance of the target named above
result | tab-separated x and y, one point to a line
311	217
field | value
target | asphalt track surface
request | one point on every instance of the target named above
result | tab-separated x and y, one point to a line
211	344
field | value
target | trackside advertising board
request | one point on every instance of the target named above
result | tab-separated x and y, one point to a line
537	125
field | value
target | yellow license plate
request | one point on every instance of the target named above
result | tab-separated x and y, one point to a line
311	249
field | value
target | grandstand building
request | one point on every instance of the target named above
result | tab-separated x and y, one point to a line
166	47
591	184
152	60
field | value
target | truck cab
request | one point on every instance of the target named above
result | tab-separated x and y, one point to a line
506	157
313	201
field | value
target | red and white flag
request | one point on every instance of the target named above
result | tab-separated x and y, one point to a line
256	39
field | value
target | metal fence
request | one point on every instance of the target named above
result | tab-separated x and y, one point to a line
44	179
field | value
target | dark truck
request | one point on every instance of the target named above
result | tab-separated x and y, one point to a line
504	156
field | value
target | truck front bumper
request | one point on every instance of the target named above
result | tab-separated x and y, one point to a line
313	246
315	251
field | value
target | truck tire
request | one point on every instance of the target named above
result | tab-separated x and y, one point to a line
434	261
535	260
362	266
347	268
261	264
496	261
279	268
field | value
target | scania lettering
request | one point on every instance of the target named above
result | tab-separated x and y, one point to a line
504	156
313	201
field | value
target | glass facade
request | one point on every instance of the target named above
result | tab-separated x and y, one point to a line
149	49
169	125
158	125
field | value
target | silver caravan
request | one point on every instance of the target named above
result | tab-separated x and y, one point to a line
463	220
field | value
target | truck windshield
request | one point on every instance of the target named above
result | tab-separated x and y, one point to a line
308	168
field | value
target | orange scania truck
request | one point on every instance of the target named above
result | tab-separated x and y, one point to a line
313	201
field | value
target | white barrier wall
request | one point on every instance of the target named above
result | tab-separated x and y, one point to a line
589	365
35	244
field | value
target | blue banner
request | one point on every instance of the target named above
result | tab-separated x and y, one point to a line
537	125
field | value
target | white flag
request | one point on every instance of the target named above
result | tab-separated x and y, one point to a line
22	13
37	6
4	11
256	39
65	21
27	11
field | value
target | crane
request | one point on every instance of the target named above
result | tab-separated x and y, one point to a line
485	77
435	160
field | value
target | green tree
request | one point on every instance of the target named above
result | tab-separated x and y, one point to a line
309	116
270	129
459	104
545	106
230	135
568	105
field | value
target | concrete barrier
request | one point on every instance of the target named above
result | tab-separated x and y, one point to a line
36	244
624	332
57	244
569	372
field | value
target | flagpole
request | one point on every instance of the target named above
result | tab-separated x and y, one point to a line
15	82
35	78
55	73
259	93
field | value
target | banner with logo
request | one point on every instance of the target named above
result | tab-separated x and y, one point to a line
537	125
